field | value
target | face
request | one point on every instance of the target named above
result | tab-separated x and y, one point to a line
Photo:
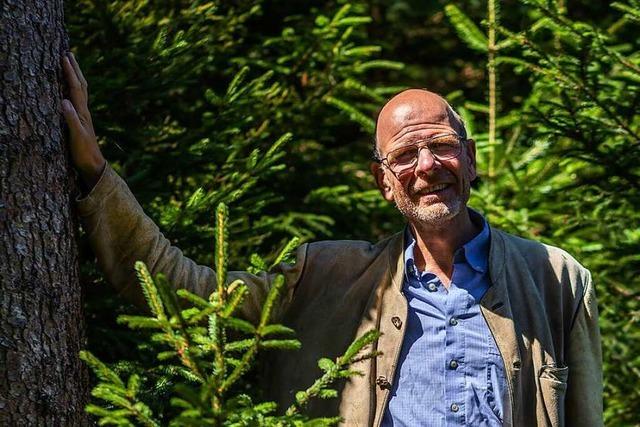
436	191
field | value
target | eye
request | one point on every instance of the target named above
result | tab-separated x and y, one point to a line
441	147
403	155
444	145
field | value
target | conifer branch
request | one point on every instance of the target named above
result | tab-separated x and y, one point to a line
290	246
333	370
221	251
113	390
209	366
270	301
493	15
150	291
466	29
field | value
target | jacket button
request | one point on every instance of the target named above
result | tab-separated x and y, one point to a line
396	322
383	382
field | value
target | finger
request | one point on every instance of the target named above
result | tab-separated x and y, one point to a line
77	69
72	119
76	93
69	72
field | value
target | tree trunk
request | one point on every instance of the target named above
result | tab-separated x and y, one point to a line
42	380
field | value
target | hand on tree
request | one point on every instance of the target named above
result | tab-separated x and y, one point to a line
85	151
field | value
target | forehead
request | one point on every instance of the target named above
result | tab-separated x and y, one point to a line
413	115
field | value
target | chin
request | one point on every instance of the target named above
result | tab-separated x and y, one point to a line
433	215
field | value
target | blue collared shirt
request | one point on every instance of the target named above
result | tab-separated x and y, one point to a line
450	372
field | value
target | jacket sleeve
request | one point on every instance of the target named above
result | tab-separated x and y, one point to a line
583	403
120	234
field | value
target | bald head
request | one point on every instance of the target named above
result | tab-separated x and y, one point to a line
430	189
413	110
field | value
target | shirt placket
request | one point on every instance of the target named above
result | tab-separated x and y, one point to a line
432	289
455	357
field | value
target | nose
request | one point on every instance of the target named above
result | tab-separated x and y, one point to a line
426	161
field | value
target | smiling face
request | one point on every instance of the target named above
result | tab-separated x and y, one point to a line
436	190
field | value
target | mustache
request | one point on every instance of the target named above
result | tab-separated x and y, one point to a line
418	188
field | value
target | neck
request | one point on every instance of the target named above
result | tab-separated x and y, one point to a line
436	245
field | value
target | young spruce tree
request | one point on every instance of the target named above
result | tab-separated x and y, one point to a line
206	351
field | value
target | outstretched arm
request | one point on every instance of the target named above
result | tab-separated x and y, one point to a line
120	232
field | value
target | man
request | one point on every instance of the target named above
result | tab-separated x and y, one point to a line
478	327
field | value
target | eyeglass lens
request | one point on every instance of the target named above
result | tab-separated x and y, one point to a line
442	148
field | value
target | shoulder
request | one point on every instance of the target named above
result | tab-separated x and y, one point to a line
342	251
536	252
544	260
348	256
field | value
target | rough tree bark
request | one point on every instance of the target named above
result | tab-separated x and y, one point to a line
42	381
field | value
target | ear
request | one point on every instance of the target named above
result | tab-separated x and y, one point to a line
381	180
470	151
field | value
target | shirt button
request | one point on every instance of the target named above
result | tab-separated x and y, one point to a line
453	321
432	287
453	364
383	382
397	322
454	407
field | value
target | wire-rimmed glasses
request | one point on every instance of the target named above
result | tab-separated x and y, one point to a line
441	147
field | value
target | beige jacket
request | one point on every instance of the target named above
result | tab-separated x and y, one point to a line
541	310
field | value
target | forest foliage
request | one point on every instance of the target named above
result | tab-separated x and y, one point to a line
269	106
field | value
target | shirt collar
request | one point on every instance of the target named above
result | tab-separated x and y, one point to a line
475	252
409	263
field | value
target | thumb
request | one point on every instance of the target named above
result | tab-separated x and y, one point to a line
72	119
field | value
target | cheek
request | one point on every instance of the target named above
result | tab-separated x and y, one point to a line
398	188
404	183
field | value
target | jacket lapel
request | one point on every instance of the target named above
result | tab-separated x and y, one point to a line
496	308
392	320
362	397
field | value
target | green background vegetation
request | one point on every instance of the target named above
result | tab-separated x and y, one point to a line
268	106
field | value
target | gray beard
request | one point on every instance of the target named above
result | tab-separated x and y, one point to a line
436	215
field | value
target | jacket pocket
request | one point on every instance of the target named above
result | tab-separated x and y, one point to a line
553	386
